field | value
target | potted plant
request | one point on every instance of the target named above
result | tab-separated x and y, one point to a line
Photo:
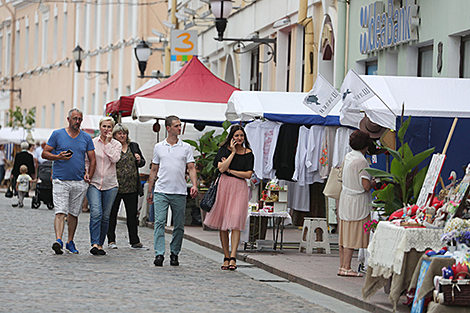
207	146
404	181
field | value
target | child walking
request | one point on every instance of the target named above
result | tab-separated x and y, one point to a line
22	185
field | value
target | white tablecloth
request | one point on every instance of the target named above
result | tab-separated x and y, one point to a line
390	242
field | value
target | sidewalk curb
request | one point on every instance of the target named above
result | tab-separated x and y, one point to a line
292	278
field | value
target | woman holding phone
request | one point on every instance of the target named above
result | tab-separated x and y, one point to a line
235	161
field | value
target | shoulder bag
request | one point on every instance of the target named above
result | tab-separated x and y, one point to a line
208	200
9	192
334	183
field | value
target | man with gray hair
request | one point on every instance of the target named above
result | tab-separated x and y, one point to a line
67	148
22	157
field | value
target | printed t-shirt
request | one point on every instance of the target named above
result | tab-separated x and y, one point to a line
73	169
23	182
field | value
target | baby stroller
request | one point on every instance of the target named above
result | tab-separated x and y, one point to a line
44	187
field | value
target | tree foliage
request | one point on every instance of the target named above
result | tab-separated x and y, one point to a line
18	120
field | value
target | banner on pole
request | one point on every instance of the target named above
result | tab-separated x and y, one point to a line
183	44
355	89
323	97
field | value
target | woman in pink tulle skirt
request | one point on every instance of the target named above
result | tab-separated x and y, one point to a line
235	161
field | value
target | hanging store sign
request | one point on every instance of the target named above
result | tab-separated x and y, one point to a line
183	44
387	29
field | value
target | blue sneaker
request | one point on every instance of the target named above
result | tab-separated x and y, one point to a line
70	246
57	246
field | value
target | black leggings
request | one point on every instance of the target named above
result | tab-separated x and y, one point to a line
130	203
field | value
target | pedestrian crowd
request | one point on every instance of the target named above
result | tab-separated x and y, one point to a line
104	171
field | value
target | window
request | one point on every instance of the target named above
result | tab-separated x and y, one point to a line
1	54
255	84
17	51
53	117
54	40
64	36
26	47
45	27
7	54
371	67
62	114
82	105
36	43
465	57
104	101
43	117
425	61
93	104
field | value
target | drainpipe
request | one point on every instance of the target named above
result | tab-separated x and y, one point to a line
12	54
309	52
346	48
168	47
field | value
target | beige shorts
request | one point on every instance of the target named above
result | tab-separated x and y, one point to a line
68	196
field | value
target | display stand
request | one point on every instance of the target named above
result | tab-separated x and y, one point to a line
277	219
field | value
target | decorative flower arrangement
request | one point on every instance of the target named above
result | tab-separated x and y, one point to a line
456	236
370	226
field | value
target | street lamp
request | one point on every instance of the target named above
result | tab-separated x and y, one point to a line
142	54
221	10
78	55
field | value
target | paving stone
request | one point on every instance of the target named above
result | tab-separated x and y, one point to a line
34	279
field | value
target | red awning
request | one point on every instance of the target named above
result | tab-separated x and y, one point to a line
193	82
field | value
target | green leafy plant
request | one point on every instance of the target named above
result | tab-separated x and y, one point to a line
18	120
404	181
207	146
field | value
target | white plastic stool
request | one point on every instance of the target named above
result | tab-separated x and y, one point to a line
314	235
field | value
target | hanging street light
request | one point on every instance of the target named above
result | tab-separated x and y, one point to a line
78	55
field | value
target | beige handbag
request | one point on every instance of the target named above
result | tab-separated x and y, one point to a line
334	183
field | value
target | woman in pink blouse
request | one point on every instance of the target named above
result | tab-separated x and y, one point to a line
104	185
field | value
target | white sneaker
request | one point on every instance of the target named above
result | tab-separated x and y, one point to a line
112	246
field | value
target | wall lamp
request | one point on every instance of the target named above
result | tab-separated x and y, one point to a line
14	90
78	55
142	54
221	10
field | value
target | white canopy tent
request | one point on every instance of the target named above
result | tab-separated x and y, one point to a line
16	136
421	96
146	109
284	107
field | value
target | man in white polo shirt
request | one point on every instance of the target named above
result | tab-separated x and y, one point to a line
170	159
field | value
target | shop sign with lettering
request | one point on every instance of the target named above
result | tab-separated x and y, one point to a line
386	29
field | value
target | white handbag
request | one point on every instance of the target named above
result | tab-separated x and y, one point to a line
334	183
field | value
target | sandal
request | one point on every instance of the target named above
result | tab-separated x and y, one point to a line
341	271
232	267
350	273
225	267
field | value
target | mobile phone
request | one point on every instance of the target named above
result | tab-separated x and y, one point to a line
69	152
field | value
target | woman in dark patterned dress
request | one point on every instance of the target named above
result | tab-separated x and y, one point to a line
127	171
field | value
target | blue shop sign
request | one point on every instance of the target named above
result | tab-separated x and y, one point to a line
386	29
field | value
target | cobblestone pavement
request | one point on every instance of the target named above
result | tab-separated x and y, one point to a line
34	279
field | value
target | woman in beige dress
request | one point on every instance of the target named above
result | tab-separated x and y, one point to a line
354	208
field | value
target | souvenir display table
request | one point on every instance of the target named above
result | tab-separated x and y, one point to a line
435	269
278	219
394	253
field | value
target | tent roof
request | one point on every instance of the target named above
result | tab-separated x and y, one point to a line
193	82
286	107
421	96
209	113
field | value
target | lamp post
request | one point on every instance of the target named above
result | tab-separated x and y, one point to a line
78	55
221	10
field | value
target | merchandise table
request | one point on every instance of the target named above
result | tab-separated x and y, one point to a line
394	253
278	220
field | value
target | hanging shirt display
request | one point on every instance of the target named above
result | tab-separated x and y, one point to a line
312	160
341	147
284	155
326	154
